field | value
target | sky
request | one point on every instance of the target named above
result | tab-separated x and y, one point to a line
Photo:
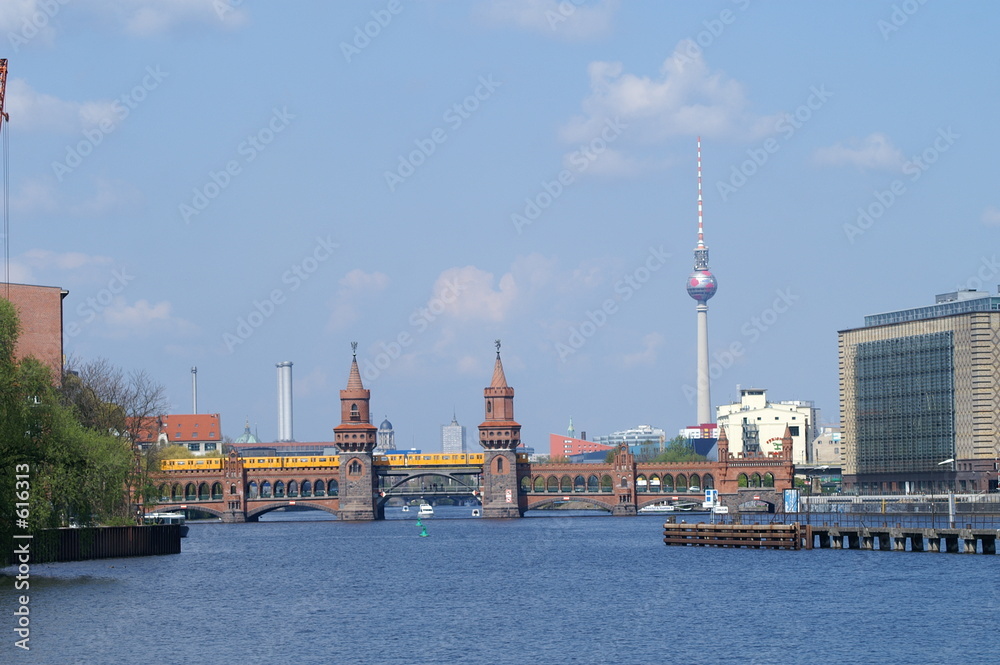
229	185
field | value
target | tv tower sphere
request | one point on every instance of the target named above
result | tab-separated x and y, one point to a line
701	285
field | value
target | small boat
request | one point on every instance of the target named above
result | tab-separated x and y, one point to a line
426	510
475	512
167	518
657	508
406	508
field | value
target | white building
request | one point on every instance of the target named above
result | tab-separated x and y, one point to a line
453	437
757	425
385	439
635	436
827	447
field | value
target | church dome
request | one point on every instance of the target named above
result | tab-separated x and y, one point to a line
386	425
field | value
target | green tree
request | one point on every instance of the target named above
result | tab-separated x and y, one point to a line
679	450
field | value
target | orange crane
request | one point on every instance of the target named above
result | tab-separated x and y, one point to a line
3	90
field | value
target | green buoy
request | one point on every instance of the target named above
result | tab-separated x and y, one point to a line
423	531
419	523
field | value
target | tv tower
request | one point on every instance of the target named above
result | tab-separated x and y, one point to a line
701	286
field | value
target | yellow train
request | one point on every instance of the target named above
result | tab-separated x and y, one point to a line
333	461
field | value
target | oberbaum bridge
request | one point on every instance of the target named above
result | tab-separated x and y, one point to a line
355	486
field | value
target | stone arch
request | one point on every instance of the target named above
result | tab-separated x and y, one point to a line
164	492
319	488
232	488
668	482
694	480
293	488
680	483
641	483
526	485
539	484
265	489
768	479
593	484
279	489
552	485
190	492
654	483
253	491
742	480
579	484
306	488
217	490
565	485
203	494
332	487
606	483
755	480
176	492
707	481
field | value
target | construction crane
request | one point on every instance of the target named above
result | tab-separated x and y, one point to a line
3	90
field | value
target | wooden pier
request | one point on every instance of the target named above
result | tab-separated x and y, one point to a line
798	536
757	536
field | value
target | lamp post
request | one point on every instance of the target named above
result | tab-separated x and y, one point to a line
951	496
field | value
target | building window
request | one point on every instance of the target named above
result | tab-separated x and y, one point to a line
209	446
793	430
194	447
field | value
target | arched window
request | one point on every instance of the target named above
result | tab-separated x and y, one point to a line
525	485
606	483
707	481
768	480
190	492
164	492
279	489
553	484
232	488
252	490
176	494
332	488
741	480
565	485
355	412
593	484
354	468
624	483
499	465
306	488
641	484
695	480
654	484
265	489
755	480
681	483
579	484
203	492
320	488
293	488
217	491
668	483
539	484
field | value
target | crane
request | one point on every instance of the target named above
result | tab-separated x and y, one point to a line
3	90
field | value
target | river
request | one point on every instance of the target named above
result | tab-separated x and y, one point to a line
303	589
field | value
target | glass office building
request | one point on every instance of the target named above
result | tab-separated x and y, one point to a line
920	408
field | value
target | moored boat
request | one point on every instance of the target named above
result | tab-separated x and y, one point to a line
167	518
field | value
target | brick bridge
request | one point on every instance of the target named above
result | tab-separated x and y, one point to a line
355	486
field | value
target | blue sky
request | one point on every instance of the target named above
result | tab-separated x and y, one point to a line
229	185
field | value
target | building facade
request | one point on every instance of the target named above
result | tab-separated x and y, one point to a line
920	397
40	310
453	437
755	424
385	438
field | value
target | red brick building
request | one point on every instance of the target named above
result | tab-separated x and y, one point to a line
40	309
562	446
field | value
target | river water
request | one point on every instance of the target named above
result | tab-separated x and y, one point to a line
303	589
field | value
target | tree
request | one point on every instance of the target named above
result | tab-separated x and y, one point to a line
679	450
63	470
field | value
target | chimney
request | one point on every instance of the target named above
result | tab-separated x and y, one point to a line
284	401
194	390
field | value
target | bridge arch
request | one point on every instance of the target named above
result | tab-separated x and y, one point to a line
217	491
190	492
547	501
254	515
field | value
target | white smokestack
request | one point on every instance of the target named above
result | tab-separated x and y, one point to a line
194	390
285	401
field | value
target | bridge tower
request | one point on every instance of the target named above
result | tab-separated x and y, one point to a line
234	480
500	435
355	437
624	482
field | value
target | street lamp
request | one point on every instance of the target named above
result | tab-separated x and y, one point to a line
951	497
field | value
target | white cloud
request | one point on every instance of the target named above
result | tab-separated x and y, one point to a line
355	287
123	320
561	19
144	18
27	267
31	110
468	294
25	20
686	98
647	355
40	195
875	151
991	216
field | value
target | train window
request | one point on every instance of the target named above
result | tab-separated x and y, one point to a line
322	459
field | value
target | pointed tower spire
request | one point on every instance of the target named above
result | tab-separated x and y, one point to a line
722	445
499	380
354	379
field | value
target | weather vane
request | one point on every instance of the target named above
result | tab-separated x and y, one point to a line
497	342
354	348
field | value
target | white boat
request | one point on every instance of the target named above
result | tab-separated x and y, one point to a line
426	510
657	508
475	512
406	508
167	518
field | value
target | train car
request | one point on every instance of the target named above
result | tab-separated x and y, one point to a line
262	462
326	461
190	464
